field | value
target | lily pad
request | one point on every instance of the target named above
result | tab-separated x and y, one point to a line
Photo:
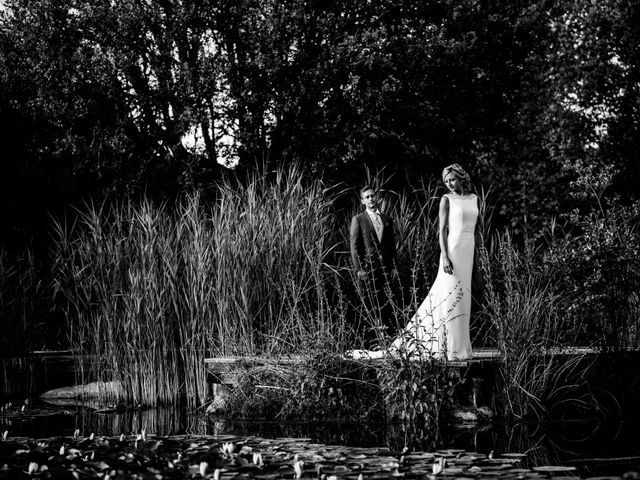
553	469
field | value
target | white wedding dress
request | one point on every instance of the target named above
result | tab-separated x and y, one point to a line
440	326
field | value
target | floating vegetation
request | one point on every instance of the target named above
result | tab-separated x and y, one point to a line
218	457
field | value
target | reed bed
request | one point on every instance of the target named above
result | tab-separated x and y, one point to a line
527	326
273	242
151	290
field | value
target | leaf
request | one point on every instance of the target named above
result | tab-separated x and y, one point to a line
553	468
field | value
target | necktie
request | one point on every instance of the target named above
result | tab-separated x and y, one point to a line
377	224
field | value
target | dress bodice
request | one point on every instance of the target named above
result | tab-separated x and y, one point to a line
463	213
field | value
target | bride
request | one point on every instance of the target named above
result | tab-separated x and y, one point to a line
440	326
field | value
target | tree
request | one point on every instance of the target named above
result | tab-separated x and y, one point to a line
108	93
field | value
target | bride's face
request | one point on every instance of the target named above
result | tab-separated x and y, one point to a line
453	183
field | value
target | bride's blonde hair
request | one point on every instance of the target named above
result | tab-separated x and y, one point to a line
459	172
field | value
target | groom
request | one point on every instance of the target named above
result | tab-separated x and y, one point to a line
373	253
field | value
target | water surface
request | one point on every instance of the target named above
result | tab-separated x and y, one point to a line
596	448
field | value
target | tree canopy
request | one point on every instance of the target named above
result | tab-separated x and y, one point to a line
98	96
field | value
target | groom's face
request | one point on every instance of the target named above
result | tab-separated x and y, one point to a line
369	199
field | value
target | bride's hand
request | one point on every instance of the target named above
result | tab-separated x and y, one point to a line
447	265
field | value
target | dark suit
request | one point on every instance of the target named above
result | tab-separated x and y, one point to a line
367	252
377	258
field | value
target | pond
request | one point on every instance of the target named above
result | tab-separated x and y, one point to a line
609	448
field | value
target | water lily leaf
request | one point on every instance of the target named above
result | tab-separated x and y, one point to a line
553	468
452	470
598	478
100	465
418	456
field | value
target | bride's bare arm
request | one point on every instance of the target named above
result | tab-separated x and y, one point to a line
443	232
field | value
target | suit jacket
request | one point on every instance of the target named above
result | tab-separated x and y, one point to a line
366	250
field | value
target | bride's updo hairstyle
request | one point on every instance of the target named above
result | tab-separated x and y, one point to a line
459	172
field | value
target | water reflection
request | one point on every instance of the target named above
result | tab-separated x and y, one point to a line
48	421
545	444
591	445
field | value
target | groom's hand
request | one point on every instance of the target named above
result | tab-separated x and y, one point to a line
361	274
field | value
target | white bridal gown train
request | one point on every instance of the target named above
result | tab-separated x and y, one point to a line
440	326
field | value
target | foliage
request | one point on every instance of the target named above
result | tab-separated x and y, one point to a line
110	89
98	97
419	393
321	386
416	394
531	334
151	290
128	289
596	265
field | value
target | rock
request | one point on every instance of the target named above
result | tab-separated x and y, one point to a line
465	416
473	415
77	392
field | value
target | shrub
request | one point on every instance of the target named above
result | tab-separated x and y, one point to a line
596	266
322	386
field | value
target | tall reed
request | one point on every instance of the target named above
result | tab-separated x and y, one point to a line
273	239
529	331
117	267
152	290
